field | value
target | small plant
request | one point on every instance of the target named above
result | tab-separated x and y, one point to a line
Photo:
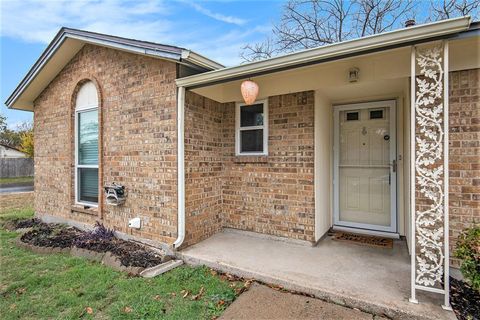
99	234
468	249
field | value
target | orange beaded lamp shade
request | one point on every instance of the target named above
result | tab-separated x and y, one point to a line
249	91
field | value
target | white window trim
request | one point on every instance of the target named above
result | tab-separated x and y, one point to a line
79	166
238	129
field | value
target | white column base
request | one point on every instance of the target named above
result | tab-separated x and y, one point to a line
448	308
413	300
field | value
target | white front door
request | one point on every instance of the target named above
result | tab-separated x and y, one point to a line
365	166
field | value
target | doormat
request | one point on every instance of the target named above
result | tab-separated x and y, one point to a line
364	240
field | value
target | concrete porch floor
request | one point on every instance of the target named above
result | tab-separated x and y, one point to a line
374	280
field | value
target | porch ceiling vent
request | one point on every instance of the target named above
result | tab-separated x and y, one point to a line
353	74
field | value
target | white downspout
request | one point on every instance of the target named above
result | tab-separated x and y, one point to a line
180	167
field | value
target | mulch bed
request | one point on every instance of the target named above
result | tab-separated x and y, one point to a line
25	223
51	235
100	240
129	253
21	223
465	300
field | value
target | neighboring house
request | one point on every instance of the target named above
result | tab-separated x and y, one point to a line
329	143
10	152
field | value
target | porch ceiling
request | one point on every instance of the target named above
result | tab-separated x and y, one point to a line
330	77
381	73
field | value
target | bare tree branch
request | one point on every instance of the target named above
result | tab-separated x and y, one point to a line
446	9
311	23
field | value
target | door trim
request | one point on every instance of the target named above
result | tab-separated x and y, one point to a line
393	155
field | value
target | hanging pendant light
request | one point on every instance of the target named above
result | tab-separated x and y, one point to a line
249	91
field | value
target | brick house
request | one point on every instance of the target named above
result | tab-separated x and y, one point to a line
329	143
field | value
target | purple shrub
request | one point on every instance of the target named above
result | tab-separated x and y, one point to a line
99	239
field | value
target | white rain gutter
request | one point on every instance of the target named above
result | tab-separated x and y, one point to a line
180	168
337	50
200	60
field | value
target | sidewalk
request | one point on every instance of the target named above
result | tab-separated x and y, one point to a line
262	302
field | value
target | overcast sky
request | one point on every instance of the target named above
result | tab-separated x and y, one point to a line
216	29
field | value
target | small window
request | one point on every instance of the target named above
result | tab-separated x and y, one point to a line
252	129
376	114
352	116
86	146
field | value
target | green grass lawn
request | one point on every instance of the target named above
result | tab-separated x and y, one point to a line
15	180
59	286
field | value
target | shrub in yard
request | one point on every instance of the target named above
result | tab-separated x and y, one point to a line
468	249
98	239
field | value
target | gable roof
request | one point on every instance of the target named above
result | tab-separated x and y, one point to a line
377	42
69	41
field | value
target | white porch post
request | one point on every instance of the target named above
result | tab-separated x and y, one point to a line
429	170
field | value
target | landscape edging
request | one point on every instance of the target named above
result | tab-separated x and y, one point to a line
106	258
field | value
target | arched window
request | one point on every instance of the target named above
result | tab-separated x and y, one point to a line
86	145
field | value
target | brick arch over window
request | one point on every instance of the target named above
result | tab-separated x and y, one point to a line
85	94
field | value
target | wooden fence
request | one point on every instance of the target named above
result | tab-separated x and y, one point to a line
16	167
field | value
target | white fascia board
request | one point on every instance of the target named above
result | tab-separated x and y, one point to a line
14	100
396	37
39	65
200	60
126	47
36	68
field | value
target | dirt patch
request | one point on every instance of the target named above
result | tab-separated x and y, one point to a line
464	300
16	201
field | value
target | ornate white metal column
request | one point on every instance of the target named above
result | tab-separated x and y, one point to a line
429	170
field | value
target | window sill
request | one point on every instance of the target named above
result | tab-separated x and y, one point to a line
250	159
82	209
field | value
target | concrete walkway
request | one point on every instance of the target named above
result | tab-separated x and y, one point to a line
16	189
261	302
375	280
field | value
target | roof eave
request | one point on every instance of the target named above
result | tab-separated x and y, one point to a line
139	47
397	37
199	60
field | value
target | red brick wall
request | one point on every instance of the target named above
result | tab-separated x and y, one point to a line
204	167
464	150
138	108
272	195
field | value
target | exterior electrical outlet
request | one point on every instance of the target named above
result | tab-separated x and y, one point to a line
134	223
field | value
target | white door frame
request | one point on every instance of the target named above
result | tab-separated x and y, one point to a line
393	156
